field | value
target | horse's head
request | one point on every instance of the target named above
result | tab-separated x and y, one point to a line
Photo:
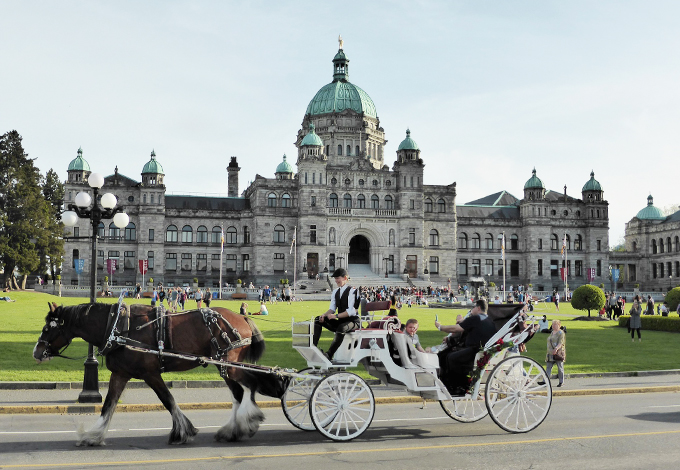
54	337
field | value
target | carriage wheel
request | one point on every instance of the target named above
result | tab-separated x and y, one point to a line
465	409
295	400
518	394
342	406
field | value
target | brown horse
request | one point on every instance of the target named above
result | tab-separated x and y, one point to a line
188	333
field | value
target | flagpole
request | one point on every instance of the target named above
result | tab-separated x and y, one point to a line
221	256
566	268
294	245
503	259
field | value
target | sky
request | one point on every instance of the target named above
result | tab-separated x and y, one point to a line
489	89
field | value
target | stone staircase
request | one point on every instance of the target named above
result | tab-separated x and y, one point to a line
361	275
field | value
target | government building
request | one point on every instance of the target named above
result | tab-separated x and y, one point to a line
348	205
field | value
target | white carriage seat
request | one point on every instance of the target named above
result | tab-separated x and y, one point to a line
410	357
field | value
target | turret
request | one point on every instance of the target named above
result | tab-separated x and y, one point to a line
232	181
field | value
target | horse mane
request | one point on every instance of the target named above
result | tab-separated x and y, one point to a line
71	313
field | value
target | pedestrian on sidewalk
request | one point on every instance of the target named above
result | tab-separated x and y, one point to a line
557	351
635	320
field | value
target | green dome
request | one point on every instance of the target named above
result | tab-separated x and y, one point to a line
79	163
650	212
408	143
284	166
311	139
152	166
534	181
592	184
338	96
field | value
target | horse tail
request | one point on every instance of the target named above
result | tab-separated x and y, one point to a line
257	347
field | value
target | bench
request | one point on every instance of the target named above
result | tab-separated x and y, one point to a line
240	296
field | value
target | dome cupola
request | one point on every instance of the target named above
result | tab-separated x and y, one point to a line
152	173
311	139
534	189
650	212
284	171
592	190
408	149
78	169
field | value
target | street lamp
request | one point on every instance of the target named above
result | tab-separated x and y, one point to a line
108	210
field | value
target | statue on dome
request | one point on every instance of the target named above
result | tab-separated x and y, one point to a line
340	41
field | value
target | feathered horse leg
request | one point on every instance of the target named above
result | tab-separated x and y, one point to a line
182	429
95	436
246	416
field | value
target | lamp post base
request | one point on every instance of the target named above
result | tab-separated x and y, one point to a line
90	392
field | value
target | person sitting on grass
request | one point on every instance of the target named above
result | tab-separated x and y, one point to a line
263	309
244	309
7	299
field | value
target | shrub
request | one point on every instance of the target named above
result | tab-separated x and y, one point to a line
195	280
655	322
150	280
588	297
58	277
106	278
637	286
238	281
492	284
601	286
673	298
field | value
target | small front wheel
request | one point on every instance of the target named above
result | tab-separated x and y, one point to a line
518	394
342	406
465	409
296	398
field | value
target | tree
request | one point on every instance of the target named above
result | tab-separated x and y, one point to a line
52	254
588	297
673	298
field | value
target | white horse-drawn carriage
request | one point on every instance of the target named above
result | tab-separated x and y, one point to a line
513	389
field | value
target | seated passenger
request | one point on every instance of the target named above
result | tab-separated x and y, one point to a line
544	325
411	335
478	329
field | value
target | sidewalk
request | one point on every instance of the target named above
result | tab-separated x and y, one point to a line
61	397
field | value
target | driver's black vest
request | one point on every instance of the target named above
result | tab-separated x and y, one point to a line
342	301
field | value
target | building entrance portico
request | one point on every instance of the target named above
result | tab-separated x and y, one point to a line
359	250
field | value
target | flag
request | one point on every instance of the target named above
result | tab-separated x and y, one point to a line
292	243
222	241
503	247
564	246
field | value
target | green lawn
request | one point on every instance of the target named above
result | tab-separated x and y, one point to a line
591	346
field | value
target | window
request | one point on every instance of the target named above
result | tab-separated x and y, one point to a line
475	242
391	237
462	267
187	234
347	181
131	232
279	261
388	183
334	181
540	267
661	271
654	250
349	150
375	182
554	268
171	234
669	245
230	236
428	205
655	274
554	242
76	231
279	234
202	234
271	200
578	243
677	244
202	262
144	198
412	204
434	238
462	241
599	246
171	261
331	236
314	178
186	261
151	198
76	255
305	177
441	205
100	259
333	200
389	202
599	268
434	264
661	247
231	263
476	268
488	242
578	268
339	149
216	235
514	242
149	257
312	234
285	200
540	243
356	150
246	262
313	201
215	262
375	202
488	267
514	268
411	236
677	269
129	260
347	201
246	235
114	232
151	233
361	201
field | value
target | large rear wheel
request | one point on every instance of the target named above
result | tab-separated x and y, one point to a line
518	394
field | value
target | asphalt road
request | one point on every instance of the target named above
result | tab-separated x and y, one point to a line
637	431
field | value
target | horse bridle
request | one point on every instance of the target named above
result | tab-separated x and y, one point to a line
59	324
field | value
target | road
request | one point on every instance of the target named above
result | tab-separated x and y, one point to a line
586	432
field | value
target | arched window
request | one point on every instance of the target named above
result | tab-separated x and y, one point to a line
389	202
428	205
669	245
361	182
391	237
356	150
285	200
568	242
100	229
230	236
554	242
271	200
375	202
339	149
187	234
334	180
333	200
131	232
462	241
514	242
634	246
578	243
661	250
114	232
375	182
347	201
475	242
171	234
441	205
279	234
348	181
654	249
349	150
246	235
677	244
331	236
216	235
434	238
202	234
361	201
488	241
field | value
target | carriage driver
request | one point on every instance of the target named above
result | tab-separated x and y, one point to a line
345	300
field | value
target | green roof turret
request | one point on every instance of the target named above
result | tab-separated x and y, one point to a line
592	184
311	139
284	166
650	212
152	166
408	143
534	181
79	163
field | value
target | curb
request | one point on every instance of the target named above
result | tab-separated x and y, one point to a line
134	408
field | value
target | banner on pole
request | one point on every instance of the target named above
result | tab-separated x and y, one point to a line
143	266
79	264
563	273
111	265
590	274
615	274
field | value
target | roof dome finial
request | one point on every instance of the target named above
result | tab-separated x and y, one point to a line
340	42
153	154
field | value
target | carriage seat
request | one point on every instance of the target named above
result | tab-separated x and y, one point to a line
409	356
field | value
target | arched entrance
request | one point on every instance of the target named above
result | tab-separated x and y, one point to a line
359	250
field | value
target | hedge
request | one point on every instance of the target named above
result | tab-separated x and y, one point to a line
655	322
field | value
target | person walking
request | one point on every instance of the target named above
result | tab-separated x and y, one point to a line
198	297
208	297
557	351
635	319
